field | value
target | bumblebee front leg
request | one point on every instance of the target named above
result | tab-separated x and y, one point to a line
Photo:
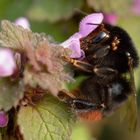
79	64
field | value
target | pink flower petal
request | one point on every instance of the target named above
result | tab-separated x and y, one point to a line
73	43
7	62
85	28
22	21
3	119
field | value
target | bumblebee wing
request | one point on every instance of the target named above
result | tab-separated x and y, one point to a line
131	113
131	104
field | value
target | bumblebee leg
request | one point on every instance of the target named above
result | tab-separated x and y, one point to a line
81	105
105	71
79	64
100	51
64	95
115	43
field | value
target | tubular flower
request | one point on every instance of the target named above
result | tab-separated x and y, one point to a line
87	25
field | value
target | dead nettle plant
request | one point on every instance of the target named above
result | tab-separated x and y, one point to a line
31	71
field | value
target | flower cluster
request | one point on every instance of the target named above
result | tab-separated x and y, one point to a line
8	65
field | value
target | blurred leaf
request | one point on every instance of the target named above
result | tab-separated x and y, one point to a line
60	31
78	80
53	10
4	4
80	132
111	6
21	6
10	93
47	120
132	26
15	37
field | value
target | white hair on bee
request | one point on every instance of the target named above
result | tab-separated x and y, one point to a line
117	88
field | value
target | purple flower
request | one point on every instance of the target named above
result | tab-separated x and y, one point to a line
87	25
7	62
110	18
3	119
73	44
22	21
136	7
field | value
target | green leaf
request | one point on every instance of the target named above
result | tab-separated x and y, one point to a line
81	132
20	6
16	37
4	4
53	10
47	120
10	93
77	83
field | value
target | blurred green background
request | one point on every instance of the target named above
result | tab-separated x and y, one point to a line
60	19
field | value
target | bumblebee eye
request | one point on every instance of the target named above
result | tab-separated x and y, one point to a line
100	37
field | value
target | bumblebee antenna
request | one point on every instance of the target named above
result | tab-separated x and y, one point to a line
92	23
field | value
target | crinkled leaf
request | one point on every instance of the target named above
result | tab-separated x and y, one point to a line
15	37
111	6
10	93
47	120
46	67
53	10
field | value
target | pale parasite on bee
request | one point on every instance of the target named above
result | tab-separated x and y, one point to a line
110	55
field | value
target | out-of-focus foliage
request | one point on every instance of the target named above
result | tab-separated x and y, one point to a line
59	19
121	7
10	93
53	10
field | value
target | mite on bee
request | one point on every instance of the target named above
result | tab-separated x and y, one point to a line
109	55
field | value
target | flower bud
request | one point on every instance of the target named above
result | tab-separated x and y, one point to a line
22	21
3	119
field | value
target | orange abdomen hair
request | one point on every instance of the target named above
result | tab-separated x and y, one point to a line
91	115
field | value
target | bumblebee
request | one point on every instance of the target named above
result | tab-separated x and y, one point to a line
110	55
